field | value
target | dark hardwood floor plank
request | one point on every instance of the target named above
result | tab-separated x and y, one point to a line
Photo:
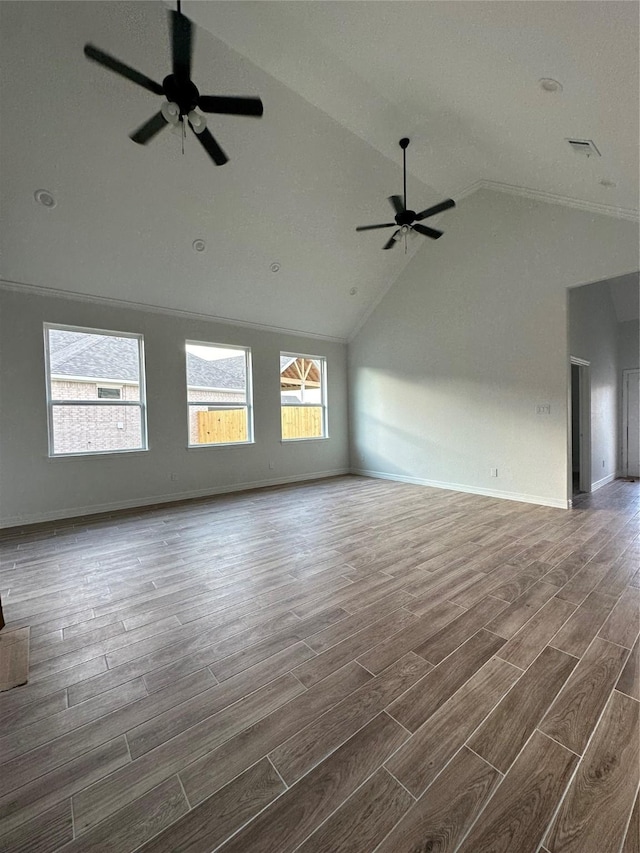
204	776
506	730
21	696
568	568
182	715
579	630
43	834
385	653
510	620
422	700
21	805
308	747
629	681
583	582
29	714
420	760
256	652
301	809
209	824
164	642
54	726
522	580
632	838
525	645
485	585
363	819
337	656
623	625
127	829
517	816
447	639
334	634
438	821
619	575
575	712
595	811
139	776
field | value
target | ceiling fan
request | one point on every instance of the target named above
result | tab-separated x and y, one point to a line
407	220
181	97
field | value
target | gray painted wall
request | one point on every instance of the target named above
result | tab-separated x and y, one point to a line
446	374
34	487
593	336
628	359
628	345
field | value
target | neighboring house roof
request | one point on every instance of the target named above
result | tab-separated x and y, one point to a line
98	356
110	358
221	373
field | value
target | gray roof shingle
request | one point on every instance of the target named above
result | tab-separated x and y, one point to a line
112	358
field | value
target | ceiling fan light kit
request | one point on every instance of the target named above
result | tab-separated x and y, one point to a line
407	220
181	96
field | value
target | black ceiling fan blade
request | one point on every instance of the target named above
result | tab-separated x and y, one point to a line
398	204
211	147
230	105
372	227
113	64
181	45
149	129
391	242
428	232
437	208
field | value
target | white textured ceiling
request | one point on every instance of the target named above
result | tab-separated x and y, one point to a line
341	82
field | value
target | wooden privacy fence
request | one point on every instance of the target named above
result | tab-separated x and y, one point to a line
301	421
223	426
229	425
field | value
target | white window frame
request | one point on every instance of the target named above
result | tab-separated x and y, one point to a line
323	403
218	405
141	404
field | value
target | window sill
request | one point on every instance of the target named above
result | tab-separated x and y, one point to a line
220	444
93	453
310	438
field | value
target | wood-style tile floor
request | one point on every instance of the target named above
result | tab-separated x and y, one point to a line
346	666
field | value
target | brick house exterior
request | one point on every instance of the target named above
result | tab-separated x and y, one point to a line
87	366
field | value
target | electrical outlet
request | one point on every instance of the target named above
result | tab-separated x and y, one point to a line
271	466
494	472
543	409
173	477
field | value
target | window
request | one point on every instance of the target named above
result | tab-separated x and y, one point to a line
303	396
218	394
95	391
109	393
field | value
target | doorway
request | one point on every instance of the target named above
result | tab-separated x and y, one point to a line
630	427
580	426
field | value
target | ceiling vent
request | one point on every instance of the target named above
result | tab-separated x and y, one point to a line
585	147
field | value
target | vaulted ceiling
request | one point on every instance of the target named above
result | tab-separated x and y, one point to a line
341	82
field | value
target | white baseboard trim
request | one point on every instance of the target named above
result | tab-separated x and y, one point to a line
603	482
471	490
141	503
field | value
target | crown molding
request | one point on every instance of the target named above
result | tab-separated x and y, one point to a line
6	284
556	198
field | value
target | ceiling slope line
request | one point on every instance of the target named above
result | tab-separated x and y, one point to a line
556	198
6	284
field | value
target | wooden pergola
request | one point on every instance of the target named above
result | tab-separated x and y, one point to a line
299	374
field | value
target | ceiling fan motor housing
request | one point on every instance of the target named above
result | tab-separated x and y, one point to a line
184	93
405	217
